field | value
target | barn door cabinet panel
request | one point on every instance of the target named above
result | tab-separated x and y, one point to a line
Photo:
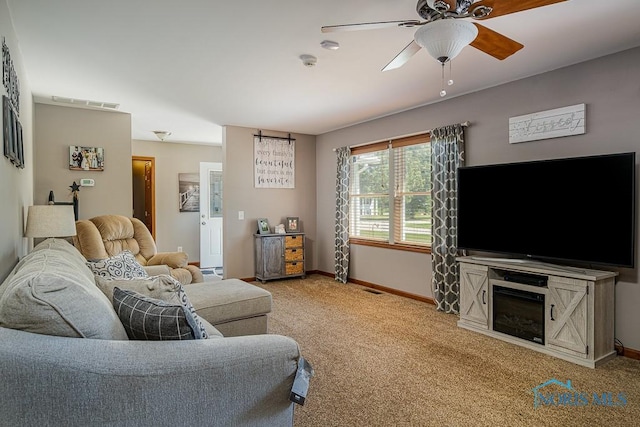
475	286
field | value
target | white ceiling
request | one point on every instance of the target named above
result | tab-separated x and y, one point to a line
192	66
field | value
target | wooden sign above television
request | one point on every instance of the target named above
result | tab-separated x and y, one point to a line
564	121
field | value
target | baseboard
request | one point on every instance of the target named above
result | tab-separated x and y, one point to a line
384	289
630	353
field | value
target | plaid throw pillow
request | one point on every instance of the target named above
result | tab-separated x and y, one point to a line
146	318
163	287
121	266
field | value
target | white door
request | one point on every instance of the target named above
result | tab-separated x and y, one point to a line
210	215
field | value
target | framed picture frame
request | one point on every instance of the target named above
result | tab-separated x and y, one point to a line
8	131
263	226
20	146
86	158
189	192
14	139
292	225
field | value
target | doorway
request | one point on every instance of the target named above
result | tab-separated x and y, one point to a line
211	216
144	191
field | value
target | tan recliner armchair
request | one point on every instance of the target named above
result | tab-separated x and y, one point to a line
108	235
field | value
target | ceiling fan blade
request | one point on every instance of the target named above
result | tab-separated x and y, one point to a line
505	7
369	26
495	44
401	58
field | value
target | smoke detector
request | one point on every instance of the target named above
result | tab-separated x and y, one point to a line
330	45
308	60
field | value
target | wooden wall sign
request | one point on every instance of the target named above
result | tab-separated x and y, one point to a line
274	162
564	121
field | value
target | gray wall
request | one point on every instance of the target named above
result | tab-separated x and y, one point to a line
273	204
16	185
608	86
58	127
175	228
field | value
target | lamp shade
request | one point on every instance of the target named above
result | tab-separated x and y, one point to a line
50	221
444	39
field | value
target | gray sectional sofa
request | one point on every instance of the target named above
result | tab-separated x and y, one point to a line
65	359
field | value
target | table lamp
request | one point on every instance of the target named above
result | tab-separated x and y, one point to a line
50	221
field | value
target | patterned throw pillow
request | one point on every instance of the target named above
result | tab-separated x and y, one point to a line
146	318
163	287
121	266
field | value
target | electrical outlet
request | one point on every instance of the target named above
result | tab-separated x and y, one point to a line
241	215
179	248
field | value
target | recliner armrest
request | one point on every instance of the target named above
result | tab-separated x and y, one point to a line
172	259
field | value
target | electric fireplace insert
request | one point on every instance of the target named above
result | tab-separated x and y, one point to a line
519	313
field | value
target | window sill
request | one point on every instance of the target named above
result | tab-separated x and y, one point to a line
386	245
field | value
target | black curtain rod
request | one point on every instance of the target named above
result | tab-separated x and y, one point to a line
260	135
463	124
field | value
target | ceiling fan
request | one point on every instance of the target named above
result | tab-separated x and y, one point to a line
444	34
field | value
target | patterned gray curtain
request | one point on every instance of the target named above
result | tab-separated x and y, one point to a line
447	154
342	215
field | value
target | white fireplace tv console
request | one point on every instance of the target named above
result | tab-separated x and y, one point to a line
561	311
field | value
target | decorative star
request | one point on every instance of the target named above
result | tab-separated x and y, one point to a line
74	188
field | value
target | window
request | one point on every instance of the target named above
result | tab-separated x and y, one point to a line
390	193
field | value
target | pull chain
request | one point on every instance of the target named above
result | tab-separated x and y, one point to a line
443	92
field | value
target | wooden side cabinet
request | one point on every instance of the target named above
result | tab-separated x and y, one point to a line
279	256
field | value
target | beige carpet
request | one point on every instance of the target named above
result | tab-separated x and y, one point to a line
385	360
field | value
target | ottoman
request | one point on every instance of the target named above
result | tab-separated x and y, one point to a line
234	307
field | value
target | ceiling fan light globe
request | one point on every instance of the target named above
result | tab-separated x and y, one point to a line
445	38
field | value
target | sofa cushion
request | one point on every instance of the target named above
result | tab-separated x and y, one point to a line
156	270
228	300
163	287
121	266
159	287
52	292
147	318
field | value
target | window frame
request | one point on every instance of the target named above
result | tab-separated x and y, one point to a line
395	203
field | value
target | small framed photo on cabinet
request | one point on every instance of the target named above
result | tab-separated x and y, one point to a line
263	226
292	225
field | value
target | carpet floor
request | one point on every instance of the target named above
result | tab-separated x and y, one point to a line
385	360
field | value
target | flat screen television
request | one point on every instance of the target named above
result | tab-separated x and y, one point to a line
579	209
